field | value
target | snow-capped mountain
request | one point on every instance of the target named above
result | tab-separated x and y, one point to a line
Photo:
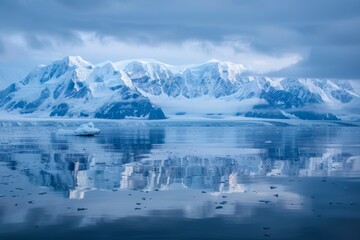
73	87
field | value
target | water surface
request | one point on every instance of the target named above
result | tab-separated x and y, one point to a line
190	180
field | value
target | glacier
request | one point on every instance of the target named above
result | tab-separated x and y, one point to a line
148	89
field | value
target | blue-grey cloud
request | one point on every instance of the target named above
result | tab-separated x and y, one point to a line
324	31
2	48
327	61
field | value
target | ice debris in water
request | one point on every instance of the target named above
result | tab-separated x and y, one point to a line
87	129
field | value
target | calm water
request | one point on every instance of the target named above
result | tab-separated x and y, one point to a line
184	180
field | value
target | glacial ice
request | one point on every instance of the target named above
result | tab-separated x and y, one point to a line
74	88
86	129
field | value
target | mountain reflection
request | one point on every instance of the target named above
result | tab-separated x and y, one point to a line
165	158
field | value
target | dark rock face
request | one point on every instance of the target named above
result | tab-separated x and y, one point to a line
150	86
60	110
56	70
342	95
7	94
77	90
73	87
132	104
32	106
50	73
58	90
29	107
173	86
120	110
314	116
276	115
223	88
156	113
16	105
283	99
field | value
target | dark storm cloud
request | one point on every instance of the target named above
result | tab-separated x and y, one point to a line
327	31
327	61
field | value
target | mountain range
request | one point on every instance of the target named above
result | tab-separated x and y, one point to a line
147	89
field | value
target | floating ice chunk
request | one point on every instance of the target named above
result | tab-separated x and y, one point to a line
268	141
87	129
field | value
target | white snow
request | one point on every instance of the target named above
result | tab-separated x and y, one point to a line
87	129
211	88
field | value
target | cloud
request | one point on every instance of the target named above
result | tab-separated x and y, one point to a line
314	30
98	50
2	48
327	62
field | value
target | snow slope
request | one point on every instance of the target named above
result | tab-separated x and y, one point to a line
73	87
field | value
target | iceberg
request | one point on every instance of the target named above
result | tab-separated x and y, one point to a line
87	129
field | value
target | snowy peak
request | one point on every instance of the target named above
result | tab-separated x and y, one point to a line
239	68
76	61
144	69
73	87
73	67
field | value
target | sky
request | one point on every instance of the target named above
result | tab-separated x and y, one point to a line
285	38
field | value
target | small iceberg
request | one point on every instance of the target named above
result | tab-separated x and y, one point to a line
87	129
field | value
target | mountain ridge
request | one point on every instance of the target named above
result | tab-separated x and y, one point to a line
74	87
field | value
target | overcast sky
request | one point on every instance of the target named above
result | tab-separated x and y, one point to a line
300	38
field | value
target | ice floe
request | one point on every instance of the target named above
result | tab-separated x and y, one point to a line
86	129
